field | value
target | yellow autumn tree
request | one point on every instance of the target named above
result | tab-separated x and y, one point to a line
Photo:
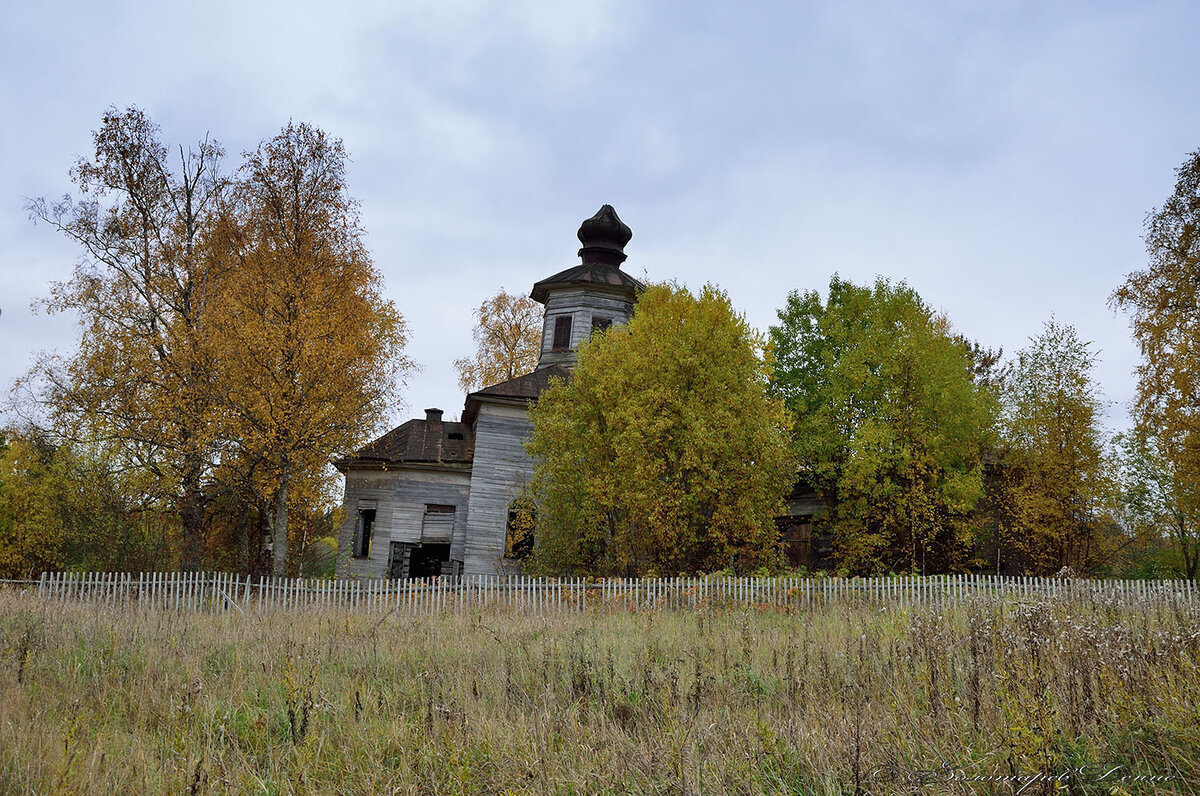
308	352
31	540
234	334
141	380
1053	477
1163	301
64	506
508	340
663	452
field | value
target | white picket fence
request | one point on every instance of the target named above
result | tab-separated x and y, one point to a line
217	591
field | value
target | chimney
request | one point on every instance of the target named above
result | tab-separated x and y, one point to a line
433	415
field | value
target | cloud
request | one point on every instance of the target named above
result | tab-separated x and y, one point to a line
1000	157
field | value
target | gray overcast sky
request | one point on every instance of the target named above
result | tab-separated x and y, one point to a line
998	156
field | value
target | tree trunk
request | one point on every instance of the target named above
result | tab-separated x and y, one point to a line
191	515
260	556
244	562
279	546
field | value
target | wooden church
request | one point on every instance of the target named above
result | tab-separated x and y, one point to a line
433	497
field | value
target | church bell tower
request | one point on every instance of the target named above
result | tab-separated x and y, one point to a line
590	296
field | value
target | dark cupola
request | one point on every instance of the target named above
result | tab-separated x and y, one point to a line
604	236
592	296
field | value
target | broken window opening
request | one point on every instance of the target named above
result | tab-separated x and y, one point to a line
365	527
600	324
522	518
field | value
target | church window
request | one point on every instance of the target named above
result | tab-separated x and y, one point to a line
438	524
365	527
522	517
562	333
600	324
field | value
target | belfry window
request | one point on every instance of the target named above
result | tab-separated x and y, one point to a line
600	324
562	333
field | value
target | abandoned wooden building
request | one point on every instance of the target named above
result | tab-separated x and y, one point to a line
433	497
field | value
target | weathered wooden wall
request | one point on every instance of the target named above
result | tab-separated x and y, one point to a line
581	304
399	497
501	470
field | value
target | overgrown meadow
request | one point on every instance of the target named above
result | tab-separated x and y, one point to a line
998	697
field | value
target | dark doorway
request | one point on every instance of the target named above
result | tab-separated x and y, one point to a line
795	534
409	560
803	545
427	560
398	560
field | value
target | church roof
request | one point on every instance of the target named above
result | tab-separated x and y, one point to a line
591	274
428	441
603	236
519	390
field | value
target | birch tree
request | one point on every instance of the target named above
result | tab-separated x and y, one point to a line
1056	481
1163	302
311	353
235	337
508	341
140	380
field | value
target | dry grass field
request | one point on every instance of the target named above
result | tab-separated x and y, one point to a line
998	697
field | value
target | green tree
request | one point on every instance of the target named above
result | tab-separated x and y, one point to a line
508	340
1157	504
889	423
663	453
1163	301
1056	483
64	506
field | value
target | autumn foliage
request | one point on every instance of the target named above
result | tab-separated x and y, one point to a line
138	382
890	424
1052	478
234	333
663	453
508	339
235	338
307	346
1163	301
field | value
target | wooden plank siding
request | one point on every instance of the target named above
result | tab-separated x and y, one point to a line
400	495
581	304
500	472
